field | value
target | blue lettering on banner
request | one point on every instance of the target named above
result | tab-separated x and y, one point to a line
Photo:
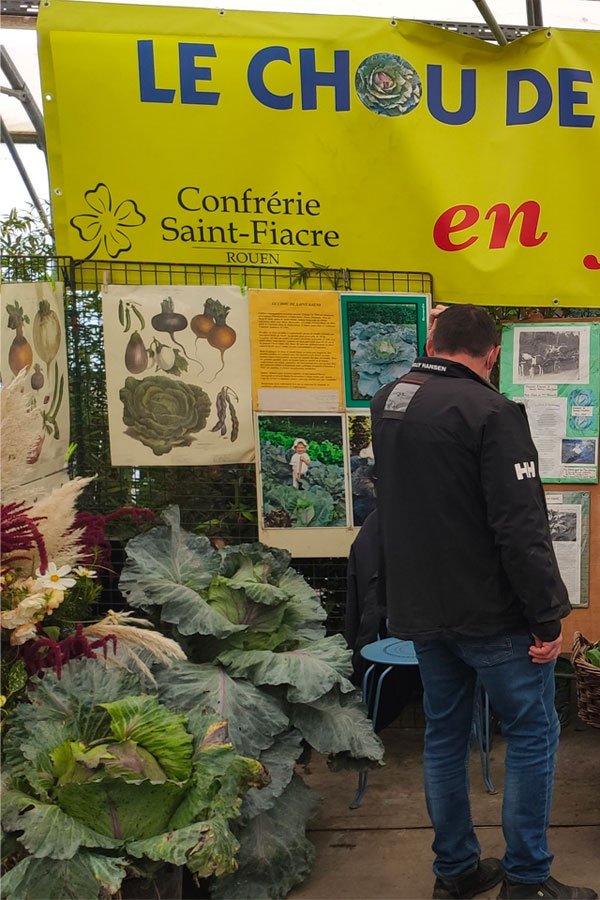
465	111
149	92
256	71
190	74
315	82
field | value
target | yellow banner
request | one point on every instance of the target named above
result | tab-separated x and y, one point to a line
209	136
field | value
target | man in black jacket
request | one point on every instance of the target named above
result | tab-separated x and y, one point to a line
471	577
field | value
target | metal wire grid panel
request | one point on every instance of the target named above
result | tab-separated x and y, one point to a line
219	501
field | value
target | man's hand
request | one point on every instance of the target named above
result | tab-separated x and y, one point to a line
434	313
545	651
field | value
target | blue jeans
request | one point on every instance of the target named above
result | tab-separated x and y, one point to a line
522	695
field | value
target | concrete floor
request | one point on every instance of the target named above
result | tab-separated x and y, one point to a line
383	849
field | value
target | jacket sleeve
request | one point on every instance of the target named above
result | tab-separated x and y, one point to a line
516	512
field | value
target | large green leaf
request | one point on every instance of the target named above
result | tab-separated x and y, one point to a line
47	830
254	718
122	809
64	709
207	848
304	614
87	876
147	722
338	724
269	563
274	851
251	577
309	671
279	761
220	775
171	568
259	622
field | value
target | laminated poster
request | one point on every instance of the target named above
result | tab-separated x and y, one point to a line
302	484
569	515
554	371
296	356
177	375
381	336
362	467
33	338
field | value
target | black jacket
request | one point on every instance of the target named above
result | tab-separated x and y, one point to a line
464	528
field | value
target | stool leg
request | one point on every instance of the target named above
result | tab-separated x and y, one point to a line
382	678
363	776
362	786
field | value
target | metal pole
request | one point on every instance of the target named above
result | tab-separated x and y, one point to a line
24	95
534	13
490	21
7	139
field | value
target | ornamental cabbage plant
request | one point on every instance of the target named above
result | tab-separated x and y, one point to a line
100	775
259	657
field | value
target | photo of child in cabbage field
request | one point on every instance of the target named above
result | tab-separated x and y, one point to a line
302	473
362	467
381	340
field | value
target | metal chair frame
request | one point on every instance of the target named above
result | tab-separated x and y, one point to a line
481	727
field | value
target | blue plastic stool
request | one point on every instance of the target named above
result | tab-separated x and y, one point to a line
391	652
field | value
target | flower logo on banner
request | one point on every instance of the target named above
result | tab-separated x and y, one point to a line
107	226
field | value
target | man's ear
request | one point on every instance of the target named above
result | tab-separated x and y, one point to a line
429	347
492	357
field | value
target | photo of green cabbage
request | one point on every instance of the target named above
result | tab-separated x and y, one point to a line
163	413
387	84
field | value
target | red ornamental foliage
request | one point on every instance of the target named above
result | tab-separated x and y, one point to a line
19	532
95	543
45	653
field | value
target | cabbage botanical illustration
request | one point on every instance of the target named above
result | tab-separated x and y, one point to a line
99	774
259	657
381	352
163	413
387	84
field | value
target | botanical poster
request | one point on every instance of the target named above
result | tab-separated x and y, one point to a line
33	338
362	467
177	375
382	334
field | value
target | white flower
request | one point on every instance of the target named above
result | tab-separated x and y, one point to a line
23	633
27	611
54	579
84	572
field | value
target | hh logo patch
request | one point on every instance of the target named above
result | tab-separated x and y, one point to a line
525	470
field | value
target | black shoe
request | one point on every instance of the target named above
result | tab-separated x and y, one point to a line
489	872
515	890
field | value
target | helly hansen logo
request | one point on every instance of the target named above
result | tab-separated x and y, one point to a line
525	470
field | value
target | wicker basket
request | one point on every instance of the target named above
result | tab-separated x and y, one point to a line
588	682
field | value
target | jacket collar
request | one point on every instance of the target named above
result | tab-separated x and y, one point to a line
437	365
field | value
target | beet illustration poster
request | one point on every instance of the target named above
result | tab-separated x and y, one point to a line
33	338
177	375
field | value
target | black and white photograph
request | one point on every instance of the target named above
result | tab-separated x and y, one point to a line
551	356
575	451
563	525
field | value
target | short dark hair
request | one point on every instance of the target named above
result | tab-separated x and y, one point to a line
464	329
